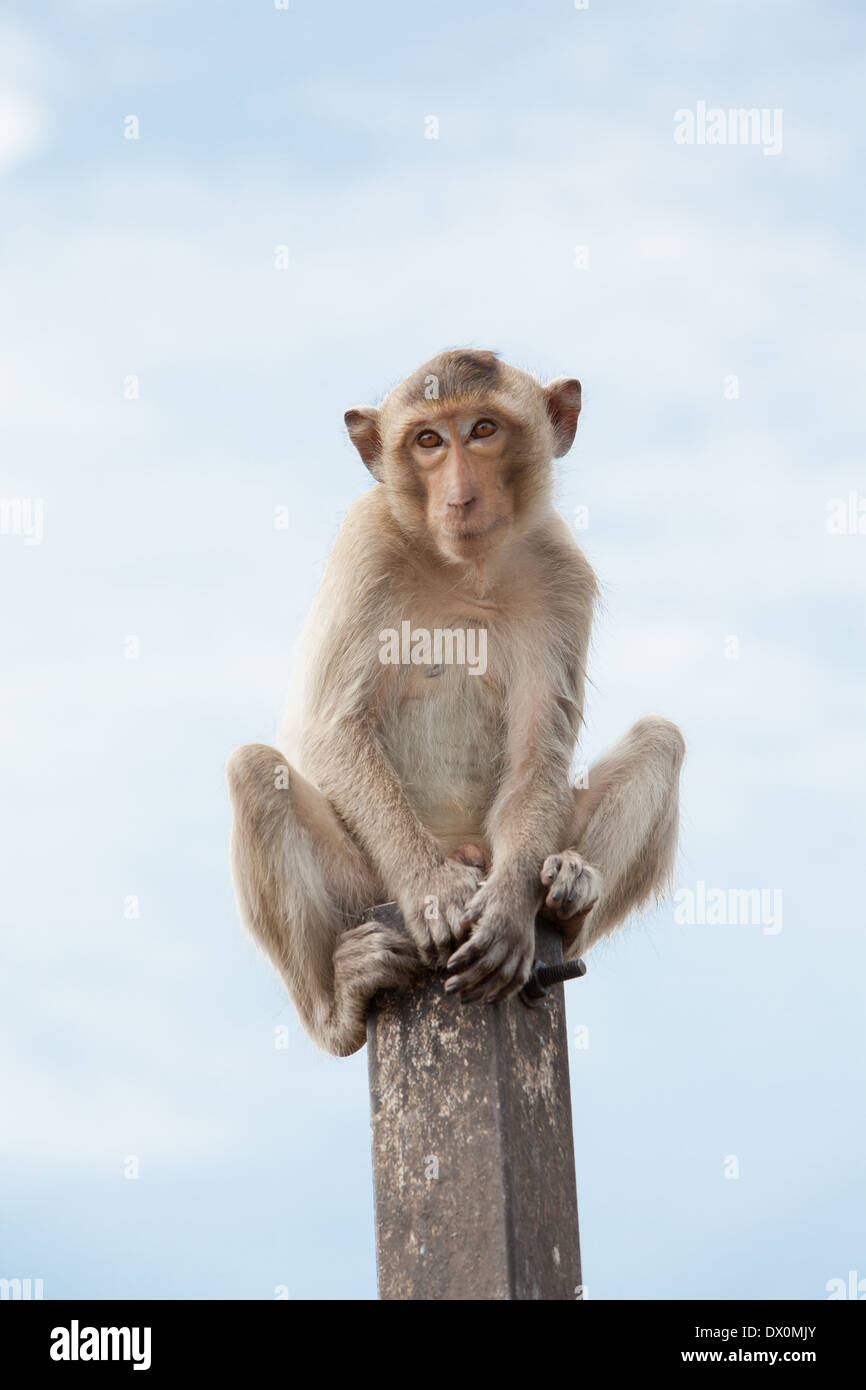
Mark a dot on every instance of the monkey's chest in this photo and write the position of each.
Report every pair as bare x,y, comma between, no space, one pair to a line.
443,736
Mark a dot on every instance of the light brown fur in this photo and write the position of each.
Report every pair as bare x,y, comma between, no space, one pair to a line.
395,783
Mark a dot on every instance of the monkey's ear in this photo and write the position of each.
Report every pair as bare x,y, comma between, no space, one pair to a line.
363,425
563,408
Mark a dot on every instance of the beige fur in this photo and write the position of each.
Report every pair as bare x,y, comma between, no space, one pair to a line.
391,769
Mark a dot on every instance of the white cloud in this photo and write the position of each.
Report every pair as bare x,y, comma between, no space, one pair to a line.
23,128
28,68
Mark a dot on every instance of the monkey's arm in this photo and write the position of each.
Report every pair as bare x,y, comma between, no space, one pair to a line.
432,890
357,778
534,800
528,819
544,711
525,824
346,761
344,682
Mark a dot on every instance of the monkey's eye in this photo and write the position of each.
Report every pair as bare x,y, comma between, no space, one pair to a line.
429,439
483,430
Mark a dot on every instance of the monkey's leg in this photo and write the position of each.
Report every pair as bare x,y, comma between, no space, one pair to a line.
301,884
623,836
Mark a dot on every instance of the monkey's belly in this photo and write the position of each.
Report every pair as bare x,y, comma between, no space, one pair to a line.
445,747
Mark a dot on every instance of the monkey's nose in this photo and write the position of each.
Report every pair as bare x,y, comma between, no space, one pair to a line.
462,504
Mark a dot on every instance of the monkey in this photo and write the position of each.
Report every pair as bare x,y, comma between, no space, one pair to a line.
443,786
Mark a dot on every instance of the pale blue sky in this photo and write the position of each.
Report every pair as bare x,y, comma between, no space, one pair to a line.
154,257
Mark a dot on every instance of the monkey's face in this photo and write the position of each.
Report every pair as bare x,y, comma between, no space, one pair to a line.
460,459
464,449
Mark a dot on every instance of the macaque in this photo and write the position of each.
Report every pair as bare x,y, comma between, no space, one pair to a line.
406,771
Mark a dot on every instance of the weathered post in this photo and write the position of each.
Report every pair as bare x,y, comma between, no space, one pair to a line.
473,1157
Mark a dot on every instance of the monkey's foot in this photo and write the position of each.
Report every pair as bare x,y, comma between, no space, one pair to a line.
367,959
574,886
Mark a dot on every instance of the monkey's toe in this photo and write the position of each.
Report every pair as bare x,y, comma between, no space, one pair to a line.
573,886
367,958
376,956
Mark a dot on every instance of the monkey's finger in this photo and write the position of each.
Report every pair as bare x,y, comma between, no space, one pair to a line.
551,868
564,889
465,955
444,946
460,931
491,989
497,984
514,974
440,925
455,916
473,981
568,908
439,935
470,914
421,933
426,950
474,907
514,986
558,892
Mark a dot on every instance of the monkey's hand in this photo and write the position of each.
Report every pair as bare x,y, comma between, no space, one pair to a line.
433,905
497,959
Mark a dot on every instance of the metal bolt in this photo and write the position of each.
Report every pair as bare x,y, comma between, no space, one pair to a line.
544,976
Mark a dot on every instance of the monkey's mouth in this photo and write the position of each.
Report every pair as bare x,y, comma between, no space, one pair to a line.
465,534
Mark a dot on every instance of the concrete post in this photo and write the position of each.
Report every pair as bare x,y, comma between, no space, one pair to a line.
473,1156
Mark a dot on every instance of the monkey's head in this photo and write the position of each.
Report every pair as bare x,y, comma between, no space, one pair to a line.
464,447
